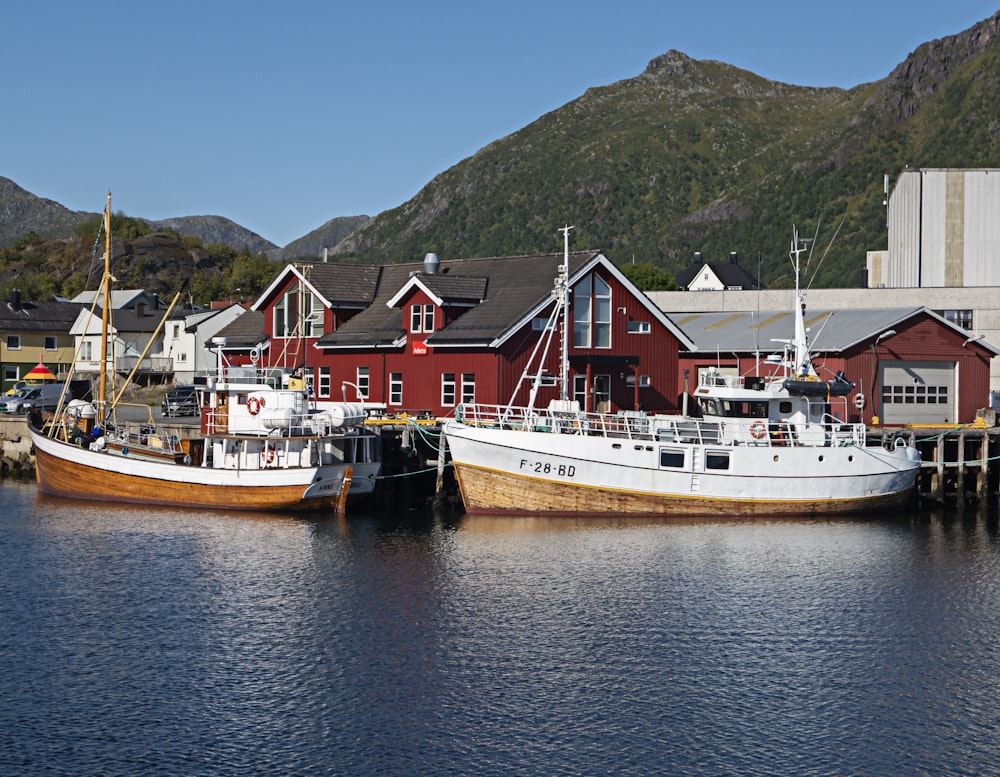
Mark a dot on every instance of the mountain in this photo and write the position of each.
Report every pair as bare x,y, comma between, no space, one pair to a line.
702,156
216,229
22,212
326,237
687,156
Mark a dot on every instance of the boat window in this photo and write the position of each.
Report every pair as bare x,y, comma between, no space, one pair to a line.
785,407
717,460
758,409
671,457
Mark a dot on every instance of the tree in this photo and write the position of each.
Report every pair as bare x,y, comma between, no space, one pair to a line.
648,277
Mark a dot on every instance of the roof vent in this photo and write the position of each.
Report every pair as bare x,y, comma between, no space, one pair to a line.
431,263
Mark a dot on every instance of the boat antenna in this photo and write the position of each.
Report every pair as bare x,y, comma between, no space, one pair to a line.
802,364
563,286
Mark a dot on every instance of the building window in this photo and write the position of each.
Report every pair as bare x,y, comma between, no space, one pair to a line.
592,313
324,382
312,314
182,357
177,331
580,389
910,394
395,388
362,382
542,324
281,314
13,342
421,318
86,349
468,387
447,389
962,318
644,381
638,327
50,342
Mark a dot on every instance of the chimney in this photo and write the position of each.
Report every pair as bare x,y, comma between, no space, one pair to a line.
15,300
431,263
734,257
697,257
140,309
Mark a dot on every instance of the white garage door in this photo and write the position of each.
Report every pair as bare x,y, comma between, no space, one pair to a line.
918,392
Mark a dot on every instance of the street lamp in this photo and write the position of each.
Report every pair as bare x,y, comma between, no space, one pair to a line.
875,402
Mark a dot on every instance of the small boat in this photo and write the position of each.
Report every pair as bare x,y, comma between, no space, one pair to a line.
763,445
262,444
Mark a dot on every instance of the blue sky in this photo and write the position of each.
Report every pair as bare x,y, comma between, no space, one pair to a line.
281,116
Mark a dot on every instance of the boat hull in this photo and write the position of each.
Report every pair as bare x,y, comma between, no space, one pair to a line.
506,471
70,471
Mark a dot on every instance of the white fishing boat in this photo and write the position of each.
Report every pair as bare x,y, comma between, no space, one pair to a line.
752,446
261,445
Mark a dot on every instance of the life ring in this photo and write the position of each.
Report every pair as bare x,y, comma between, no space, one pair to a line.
758,430
270,456
254,404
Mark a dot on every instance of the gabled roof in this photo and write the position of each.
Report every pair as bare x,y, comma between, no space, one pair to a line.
507,292
830,331
244,332
120,298
730,275
31,316
444,289
515,284
336,284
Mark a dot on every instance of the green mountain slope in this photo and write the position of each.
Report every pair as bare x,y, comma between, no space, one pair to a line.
701,156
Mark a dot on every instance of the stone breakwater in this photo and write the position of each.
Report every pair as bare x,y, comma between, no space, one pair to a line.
16,459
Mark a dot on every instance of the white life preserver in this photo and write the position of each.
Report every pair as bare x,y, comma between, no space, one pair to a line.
758,430
254,404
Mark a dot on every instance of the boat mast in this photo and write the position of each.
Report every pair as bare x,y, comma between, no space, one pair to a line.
105,281
563,286
803,365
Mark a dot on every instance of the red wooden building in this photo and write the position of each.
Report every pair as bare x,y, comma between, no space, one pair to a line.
423,337
909,365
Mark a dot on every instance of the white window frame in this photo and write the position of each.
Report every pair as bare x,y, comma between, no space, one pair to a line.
395,388
448,389
363,381
323,385
592,313
468,388
638,328
13,342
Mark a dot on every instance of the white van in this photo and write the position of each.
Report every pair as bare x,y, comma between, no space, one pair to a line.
44,397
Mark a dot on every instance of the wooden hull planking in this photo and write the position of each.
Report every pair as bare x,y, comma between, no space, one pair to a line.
60,476
488,491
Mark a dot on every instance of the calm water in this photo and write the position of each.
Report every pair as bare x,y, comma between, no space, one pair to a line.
158,642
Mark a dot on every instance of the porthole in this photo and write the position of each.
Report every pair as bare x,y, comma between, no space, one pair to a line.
821,458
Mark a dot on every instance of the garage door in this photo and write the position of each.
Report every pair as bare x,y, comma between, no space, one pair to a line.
918,392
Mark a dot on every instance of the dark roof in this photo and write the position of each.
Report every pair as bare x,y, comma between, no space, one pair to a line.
342,284
244,331
455,288
31,316
730,274
509,288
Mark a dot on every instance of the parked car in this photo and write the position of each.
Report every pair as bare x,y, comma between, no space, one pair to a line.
21,384
37,397
182,400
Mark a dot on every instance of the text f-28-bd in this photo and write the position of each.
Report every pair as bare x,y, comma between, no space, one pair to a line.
548,468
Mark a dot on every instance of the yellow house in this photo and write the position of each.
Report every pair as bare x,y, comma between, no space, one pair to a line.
31,332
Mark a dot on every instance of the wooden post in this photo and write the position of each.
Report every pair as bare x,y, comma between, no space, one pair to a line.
960,468
937,479
982,479
340,506
442,455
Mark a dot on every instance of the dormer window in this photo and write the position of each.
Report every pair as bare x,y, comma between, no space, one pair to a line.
421,318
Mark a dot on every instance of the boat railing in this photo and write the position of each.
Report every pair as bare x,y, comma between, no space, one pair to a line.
665,428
